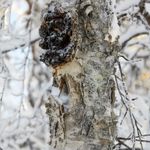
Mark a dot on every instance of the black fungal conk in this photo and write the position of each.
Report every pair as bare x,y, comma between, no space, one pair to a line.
55,32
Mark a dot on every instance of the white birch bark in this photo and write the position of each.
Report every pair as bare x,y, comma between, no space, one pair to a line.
88,121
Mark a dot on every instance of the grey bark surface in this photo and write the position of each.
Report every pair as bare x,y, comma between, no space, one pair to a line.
89,122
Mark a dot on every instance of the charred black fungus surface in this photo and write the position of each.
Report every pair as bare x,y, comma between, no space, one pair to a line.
55,32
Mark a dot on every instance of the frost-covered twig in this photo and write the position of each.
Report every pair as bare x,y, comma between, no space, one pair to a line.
19,46
126,101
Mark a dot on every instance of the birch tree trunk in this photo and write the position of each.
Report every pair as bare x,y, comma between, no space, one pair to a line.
86,120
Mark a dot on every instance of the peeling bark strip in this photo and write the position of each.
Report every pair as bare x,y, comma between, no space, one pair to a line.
84,119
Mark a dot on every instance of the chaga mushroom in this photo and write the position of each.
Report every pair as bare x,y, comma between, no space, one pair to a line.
56,31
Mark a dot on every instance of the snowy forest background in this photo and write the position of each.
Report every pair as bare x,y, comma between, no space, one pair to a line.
25,81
